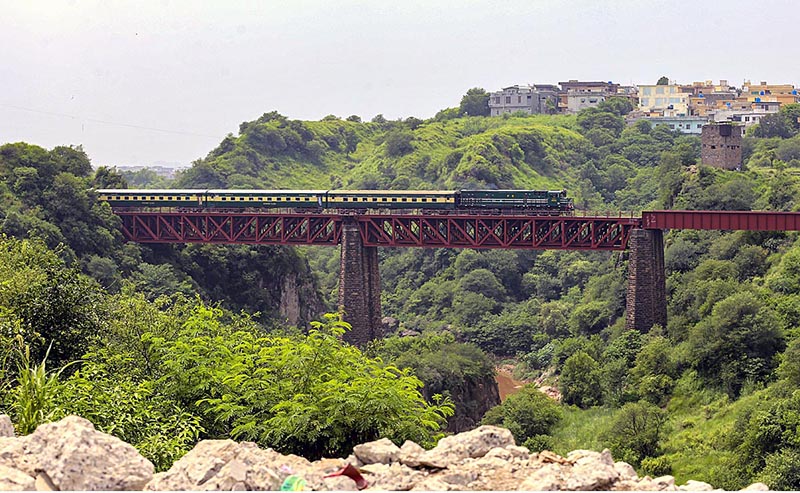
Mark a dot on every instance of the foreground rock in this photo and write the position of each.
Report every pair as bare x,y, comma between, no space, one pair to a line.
72,455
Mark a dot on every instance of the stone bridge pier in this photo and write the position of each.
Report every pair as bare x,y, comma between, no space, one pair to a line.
359,286
646,300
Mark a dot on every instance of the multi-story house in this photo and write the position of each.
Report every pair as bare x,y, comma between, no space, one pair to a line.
779,93
576,95
744,112
706,97
531,99
683,124
667,100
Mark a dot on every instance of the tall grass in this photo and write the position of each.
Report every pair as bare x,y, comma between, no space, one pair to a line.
33,397
581,429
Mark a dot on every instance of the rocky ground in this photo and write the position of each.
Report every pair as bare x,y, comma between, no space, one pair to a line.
71,455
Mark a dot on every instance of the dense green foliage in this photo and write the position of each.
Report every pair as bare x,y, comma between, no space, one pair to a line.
163,374
529,415
713,395
457,371
635,432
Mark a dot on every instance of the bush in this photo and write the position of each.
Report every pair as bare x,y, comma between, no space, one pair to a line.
537,443
580,381
635,432
782,470
527,414
398,143
656,466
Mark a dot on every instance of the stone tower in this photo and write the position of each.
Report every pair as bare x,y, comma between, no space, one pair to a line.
722,145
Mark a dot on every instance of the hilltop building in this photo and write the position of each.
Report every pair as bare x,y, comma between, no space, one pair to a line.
531,99
779,93
666,100
576,95
683,124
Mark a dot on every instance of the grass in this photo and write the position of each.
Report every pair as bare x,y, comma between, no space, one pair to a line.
695,441
581,429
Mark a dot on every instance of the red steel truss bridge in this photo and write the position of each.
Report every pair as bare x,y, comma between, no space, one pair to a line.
590,232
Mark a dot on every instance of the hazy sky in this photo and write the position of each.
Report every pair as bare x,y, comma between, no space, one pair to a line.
136,82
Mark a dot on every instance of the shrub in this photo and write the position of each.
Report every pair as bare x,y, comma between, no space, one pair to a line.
580,381
656,466
527,414
635,432
782,470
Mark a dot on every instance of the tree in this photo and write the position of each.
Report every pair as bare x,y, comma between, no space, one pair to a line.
620,106
72,160
788,149
773,125
526,414
635,432
662,81
106,177
580,381
791,113
56,305
591,118
785,278
475,103
654,371
737,342
782,470
398,142
482,281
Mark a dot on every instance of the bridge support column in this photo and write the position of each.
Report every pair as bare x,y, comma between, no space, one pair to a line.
359,286
646,301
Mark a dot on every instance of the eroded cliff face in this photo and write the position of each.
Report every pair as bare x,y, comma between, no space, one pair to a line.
299,301
472,398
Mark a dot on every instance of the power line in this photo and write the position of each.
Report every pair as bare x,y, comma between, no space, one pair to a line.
105,122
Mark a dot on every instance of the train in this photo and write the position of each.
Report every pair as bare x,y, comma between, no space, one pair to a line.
535,201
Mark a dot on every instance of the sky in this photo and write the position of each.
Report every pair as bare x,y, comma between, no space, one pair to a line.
152,81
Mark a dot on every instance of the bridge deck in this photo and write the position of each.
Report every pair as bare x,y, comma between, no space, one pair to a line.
434,231
722,220
387,230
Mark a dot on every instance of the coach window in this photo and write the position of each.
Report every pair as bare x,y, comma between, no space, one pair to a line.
394,199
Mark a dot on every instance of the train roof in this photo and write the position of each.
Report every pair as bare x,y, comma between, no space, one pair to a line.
507,190
147,191
393,192
177,191
259,191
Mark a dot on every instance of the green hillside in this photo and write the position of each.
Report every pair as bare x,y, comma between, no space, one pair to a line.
189,338
532,152
732,308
